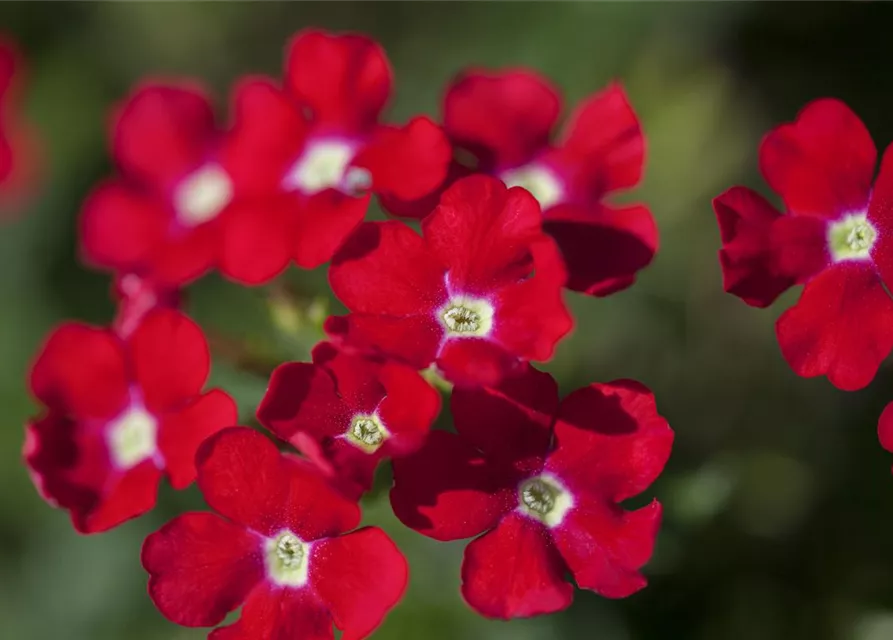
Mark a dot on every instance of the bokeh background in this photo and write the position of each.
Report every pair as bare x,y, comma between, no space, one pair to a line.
778,498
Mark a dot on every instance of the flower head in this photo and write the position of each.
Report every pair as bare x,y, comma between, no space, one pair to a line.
477,294
540,482
18,143
275,546
834,238
121,411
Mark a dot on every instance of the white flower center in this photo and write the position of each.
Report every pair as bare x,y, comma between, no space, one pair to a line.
544,498
132,437
541,182
202,195
287,559
851,237
367,433
326,165
466,317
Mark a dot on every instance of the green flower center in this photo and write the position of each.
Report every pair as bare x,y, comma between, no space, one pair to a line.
367,433
467,317
544,498
286,559
851,238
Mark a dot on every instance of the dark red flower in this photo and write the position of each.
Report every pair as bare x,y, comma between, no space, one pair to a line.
18,146
505,122
136,297
476,295
834,238
348,413
276,549
545,508
316,149
120,412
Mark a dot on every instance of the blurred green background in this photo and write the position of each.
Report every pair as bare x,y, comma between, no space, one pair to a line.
779,500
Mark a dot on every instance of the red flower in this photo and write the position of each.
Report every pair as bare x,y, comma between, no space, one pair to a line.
477,294
120,413
18,146
136,297
316,149
160,218
275,548
834,238
505,121
348,413
544,510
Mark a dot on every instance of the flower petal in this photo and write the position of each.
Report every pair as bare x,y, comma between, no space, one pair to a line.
323,222
447,490
880,214
476,362
256,239
279,614
514,571
201,567
344,79
360,576
840,327
885,428
413,340
822,164
170,359
408,409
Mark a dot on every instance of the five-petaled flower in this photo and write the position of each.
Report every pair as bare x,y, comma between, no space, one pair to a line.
835,238
120,412
277,548
348,413
315,150
545,508
477,294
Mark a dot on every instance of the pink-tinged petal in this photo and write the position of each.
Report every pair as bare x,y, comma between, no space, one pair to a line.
81,371
386,269
201,567
885,428
256,239
170,359
360,577
162,132
271,613
323,222
188,256
182,432
512,420
603,247
407,162
344,79
243,476
413,340
611,441
482,232
603,145
302,397
840,327
137,296
70,467
605,547
121,228
503,118
880,214
447,490
476,362
515,571
822,164
267,135
409,408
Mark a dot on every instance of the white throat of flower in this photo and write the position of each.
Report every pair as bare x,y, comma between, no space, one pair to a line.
132,437
367,432
202,195
326,165
851,237
544,498
466,317
287,559
540,181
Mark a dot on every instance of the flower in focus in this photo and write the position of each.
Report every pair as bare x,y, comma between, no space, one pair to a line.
477,294
544,509
18,146
277,548
834,238
120,413
348,413
315,150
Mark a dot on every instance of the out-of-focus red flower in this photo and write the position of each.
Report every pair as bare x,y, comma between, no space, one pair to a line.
315,148
136,297
277,548
477,294
348,413
542,481
120,413
504,122
835,237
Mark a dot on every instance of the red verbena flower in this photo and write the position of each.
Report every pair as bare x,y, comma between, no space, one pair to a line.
316,150
18,146
348,413
505,121
477,294
545,508
276,549
120,412
834,237
136,297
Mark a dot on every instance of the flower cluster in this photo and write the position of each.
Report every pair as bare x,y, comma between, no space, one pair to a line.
507,220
